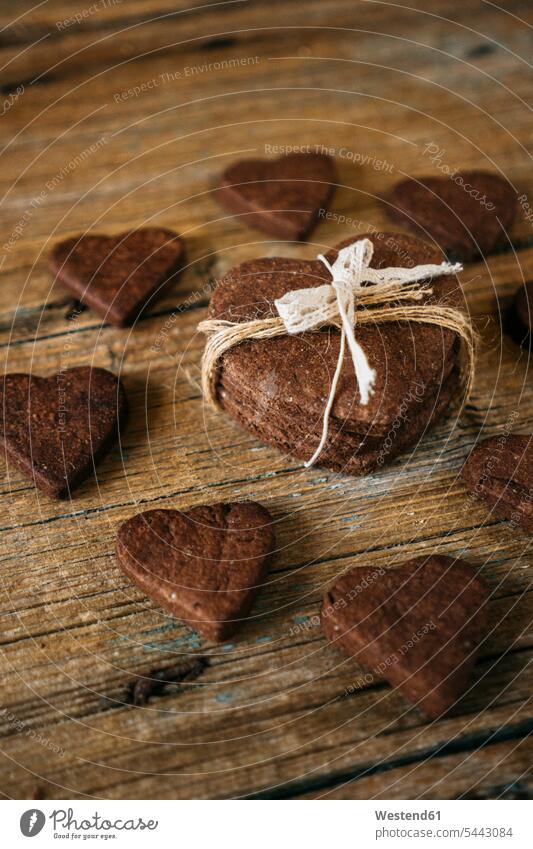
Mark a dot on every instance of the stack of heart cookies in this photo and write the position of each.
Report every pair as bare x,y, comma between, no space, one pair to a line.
277,388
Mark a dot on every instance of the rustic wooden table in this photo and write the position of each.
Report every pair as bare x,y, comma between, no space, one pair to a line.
122,118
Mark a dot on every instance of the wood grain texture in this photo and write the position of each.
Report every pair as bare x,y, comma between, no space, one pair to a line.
125,119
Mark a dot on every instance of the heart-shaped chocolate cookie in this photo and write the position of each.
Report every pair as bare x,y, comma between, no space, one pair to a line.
418,625
466,214
282,196
277,388
204,566
55,429
117,275
500,471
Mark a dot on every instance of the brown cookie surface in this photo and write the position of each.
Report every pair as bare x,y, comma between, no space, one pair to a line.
55,429
500,471
343,452
117,275
204,566
418,625
282,196
293,374
466,215
302,365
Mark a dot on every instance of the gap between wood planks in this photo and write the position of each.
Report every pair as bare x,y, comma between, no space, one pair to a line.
468,743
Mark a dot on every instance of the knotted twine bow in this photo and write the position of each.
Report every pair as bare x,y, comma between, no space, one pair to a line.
343,303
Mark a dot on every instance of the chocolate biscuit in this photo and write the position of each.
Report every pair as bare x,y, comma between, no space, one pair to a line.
292,374
55,429
418,625
466,214
205,566
281,197
344,452
500,471
117,275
